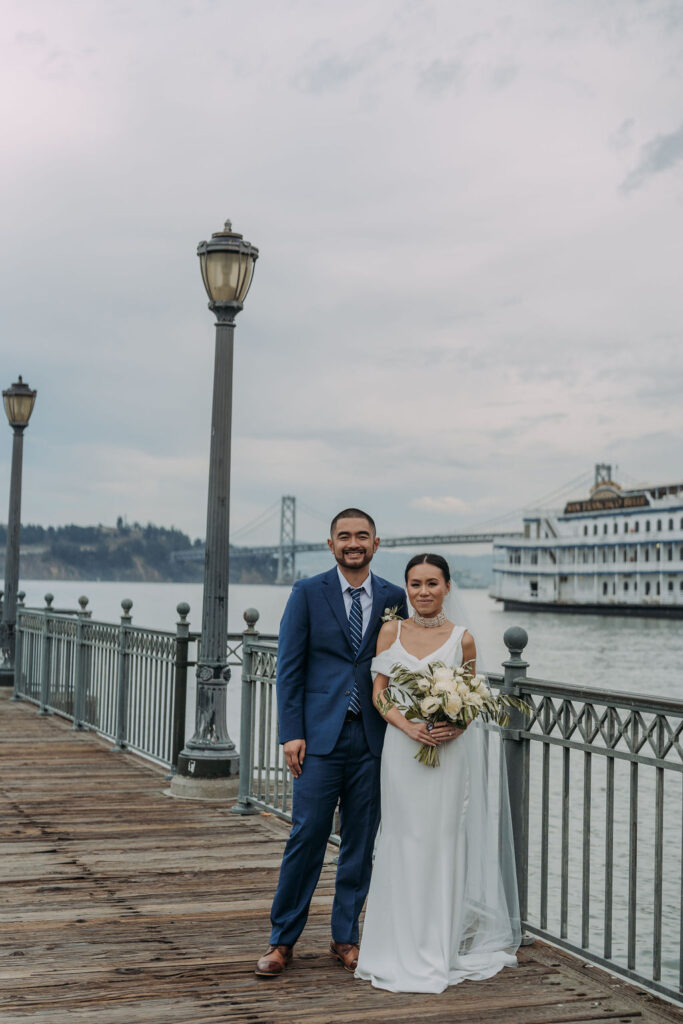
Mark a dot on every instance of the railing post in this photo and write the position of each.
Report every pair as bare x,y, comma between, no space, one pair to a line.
122,683
249,636
80,677
516,752
46,658
19,649
182,643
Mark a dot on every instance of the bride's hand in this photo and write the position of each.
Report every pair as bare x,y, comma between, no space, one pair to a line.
445,732
419,732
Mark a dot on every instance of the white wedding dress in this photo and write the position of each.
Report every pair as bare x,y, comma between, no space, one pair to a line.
442,906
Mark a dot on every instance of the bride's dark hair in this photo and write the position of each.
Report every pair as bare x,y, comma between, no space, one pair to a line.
438,561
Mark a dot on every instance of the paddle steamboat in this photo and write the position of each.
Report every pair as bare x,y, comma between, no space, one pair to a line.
617,552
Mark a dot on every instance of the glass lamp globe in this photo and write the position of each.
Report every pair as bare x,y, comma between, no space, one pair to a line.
19,401
227,266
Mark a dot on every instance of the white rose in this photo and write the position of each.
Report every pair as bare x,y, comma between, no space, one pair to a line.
479,684
423,684
429,705
443,680
453,706
475,700
462,689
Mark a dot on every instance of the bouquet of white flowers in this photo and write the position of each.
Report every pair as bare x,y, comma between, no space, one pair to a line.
438,694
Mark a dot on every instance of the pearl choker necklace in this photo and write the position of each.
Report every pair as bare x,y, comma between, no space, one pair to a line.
438,620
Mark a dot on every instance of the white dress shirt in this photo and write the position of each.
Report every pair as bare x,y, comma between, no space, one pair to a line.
365,597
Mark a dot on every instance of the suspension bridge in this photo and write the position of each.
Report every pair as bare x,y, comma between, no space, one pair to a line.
282,555
289,547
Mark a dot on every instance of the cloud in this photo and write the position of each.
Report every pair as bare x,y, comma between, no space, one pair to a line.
658,155
330,73
443,504
622,138
441,75
451,297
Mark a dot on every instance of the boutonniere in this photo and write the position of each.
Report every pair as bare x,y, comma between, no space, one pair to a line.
390,614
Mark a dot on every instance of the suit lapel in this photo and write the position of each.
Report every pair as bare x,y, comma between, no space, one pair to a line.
379,590
333,593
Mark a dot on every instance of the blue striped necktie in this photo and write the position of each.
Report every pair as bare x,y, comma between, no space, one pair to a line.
356,630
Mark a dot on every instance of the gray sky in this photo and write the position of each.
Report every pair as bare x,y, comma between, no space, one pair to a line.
469,218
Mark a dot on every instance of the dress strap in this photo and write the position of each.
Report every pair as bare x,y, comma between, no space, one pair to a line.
398,630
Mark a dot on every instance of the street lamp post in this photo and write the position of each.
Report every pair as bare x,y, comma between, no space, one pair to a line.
19,400
227,266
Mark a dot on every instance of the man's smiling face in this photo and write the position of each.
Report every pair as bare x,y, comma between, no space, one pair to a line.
353,543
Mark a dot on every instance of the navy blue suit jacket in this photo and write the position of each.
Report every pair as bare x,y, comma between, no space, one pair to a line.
316,663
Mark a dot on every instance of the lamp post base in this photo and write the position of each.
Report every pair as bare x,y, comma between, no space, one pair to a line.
184,787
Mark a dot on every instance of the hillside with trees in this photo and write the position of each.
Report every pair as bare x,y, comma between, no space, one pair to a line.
121,552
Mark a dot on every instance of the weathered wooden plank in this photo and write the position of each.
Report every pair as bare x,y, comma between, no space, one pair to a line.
120,906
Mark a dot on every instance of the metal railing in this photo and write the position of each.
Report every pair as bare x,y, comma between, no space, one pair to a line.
127,683
595,779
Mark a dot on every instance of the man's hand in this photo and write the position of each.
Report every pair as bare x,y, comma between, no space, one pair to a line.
295,752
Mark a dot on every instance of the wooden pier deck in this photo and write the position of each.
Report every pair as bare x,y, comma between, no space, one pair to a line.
120,905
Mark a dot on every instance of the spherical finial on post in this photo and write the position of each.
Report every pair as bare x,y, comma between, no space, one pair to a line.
183,610
126,604
20,597
83,602
515,639
49,598
251,617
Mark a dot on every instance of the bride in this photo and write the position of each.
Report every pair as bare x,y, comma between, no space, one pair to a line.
442,906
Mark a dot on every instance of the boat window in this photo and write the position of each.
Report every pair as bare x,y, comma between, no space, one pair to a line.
671,584
647,526
626,586
637,527
595,528
658,588
616,528
625,525
533,588
647,588
604,588
659,524
680,554
657,552
635,585
585,530
670,553
647,554
671,524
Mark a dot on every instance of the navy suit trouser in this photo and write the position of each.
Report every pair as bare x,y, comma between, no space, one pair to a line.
348,774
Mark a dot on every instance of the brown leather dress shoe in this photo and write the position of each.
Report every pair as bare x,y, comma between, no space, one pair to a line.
274,961
346,953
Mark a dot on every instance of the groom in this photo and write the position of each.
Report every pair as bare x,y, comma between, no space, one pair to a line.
332,736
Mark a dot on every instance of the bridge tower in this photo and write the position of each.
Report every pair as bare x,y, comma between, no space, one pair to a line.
286,562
